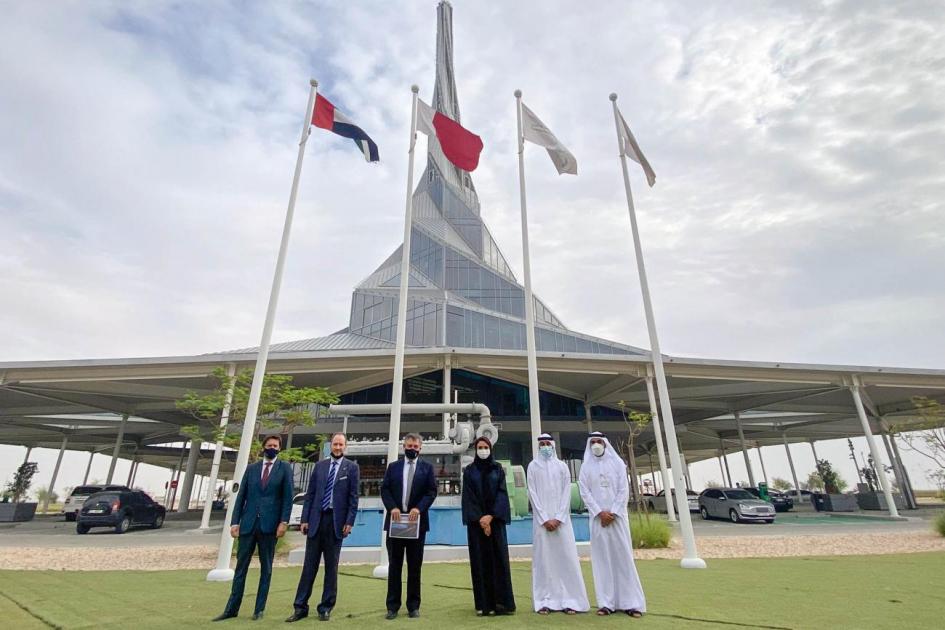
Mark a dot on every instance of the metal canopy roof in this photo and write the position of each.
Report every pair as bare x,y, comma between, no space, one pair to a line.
41,401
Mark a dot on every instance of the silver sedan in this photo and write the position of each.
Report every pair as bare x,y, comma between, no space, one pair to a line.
734,504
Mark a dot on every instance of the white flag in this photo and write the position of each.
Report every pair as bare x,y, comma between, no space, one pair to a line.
632,150
535,131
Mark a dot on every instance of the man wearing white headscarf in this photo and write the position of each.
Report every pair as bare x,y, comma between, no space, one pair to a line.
557,583
606,490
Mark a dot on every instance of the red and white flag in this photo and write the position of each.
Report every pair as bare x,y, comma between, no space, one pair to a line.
460,146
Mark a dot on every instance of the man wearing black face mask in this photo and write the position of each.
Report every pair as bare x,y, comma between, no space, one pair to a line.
260,516
408,491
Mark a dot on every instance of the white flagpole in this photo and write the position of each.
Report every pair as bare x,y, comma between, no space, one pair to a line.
222,572
533,395
691,559
393,438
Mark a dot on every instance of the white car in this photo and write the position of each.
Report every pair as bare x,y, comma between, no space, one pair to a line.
295,519
658,502
78,496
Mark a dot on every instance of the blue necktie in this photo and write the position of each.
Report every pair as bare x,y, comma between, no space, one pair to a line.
329,486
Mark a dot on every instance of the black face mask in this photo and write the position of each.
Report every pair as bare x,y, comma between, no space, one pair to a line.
271,453
411,453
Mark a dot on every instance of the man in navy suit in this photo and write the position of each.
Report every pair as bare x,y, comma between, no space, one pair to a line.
408,490
260,516
331,505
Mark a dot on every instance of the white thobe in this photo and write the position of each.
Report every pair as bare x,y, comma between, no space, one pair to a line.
616,582
557,582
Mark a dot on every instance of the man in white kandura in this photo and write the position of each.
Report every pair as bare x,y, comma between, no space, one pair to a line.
557,583
606,490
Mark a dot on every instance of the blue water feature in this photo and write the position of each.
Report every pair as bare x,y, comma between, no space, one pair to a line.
446,528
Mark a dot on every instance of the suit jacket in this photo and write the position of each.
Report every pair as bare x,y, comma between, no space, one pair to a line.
422,492
344,496
270,506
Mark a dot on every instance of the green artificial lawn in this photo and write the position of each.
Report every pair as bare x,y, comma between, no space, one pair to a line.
894,591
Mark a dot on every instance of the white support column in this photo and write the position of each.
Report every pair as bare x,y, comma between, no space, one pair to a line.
787,449
721,468
685,469
176,477
874,451
88,468
658,436
814,451
218,449
134,474
728,471
29,451
587,415
905,474
189,474
52,482
761,459
131,469
447,389
118,439
741,437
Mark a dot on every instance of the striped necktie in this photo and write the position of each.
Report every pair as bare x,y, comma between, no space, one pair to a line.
329,485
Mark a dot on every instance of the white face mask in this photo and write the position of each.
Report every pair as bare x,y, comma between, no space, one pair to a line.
546,451
483,453
597,449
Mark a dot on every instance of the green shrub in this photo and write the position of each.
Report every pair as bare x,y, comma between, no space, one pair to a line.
939,524
649,532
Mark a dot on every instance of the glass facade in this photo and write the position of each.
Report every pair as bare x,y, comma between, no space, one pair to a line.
504,399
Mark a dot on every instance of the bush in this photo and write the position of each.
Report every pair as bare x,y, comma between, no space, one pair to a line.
939,524
651,532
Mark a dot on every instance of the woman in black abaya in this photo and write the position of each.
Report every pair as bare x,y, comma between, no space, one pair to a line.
485,514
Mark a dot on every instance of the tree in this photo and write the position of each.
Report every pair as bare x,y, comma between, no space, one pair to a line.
282,408
814,483
636,422
832,483
22,479
927,438
712,483
781,484
44,495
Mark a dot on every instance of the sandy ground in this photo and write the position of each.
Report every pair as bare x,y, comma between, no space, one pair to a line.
204,556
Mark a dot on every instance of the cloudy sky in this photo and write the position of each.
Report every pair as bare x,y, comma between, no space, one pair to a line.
146,153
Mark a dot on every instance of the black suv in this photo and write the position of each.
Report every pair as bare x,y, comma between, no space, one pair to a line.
119,510
780,501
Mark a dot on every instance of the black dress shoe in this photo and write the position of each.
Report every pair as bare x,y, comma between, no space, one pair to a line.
224,616
413,614
391,614
258,616
324,616
296,616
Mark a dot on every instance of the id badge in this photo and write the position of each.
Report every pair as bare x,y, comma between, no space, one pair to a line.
604,483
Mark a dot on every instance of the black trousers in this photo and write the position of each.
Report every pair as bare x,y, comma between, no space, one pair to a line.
396,549
244,555
324,543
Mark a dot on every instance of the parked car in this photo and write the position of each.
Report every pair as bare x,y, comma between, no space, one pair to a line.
120,510
658,503
803,497
734,504
70,509
295,518
780,501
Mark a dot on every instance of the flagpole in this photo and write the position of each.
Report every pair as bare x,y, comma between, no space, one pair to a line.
222,572
691,559
393,438
533,395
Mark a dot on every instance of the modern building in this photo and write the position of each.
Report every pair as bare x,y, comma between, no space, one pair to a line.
466,341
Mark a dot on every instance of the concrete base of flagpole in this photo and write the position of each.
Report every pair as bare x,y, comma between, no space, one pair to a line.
381,571
220,575
692,563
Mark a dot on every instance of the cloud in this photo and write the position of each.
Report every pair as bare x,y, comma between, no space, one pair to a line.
146,154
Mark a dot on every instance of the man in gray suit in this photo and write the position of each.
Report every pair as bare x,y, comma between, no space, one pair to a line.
260,516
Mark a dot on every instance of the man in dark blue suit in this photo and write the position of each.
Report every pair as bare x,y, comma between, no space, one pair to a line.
260,516
331,505
408,490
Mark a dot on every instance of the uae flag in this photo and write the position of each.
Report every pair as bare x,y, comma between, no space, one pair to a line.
328,117
460,146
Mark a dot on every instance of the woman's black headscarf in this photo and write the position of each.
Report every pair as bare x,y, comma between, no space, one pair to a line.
487,463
